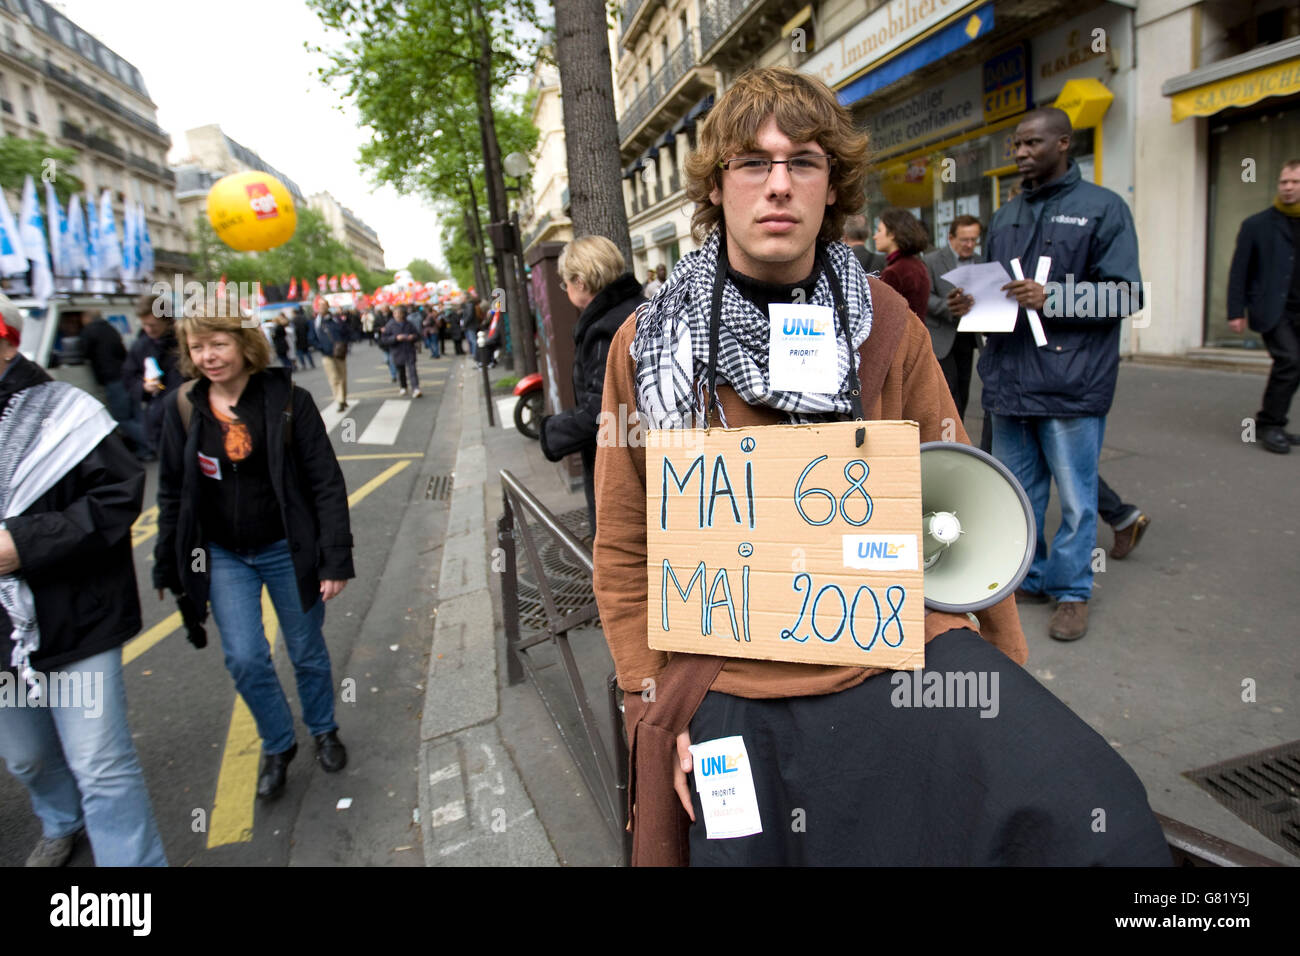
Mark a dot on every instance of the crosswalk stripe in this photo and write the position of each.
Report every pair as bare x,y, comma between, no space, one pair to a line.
383,428
232,808
331,415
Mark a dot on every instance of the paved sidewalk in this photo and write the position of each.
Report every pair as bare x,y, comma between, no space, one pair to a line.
1205,607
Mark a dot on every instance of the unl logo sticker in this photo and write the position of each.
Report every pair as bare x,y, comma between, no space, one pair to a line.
210,467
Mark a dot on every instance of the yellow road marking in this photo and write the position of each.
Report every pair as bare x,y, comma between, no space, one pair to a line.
232,809
137,646
356,496
145,527
404,454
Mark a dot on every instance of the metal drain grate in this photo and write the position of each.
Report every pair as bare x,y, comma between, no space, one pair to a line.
1262,788
570,582
439,487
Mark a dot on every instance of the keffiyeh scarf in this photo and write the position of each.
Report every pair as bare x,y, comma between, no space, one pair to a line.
671,347
45,431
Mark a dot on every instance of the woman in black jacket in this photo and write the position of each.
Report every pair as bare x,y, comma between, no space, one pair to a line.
594,276
251,494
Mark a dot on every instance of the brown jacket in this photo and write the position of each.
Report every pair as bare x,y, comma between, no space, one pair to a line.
913,389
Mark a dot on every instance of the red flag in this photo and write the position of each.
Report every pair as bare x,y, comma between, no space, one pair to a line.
261,299
334,283
221,286
293,288
320,281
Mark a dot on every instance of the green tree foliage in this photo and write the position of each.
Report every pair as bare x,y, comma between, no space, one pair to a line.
422,270
313,250
20,158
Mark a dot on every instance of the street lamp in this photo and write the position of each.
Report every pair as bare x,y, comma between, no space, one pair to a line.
517,166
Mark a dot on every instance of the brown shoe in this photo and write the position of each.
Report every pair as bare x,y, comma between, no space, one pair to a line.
1127,539
1069,621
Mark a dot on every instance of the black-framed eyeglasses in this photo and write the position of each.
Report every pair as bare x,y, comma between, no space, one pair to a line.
756,169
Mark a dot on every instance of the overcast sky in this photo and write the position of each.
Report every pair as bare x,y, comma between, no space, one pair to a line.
242,64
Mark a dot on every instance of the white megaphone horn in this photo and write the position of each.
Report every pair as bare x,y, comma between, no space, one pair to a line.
977,528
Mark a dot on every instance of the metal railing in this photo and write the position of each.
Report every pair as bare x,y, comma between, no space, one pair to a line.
606,775
607,785
717,17
62,76
630,7
676,65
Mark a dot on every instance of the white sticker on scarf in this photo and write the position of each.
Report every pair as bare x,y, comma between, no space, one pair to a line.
726,788
210,467
801,352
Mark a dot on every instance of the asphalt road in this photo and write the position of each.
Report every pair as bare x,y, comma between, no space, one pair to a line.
197,744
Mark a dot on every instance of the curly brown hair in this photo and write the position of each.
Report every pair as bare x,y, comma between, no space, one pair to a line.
805,110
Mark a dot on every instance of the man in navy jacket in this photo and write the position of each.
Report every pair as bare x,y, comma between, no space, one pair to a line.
1264,284
1049,403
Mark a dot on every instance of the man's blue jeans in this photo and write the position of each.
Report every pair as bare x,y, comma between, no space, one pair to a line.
236,598
79,765
1038,450
431,341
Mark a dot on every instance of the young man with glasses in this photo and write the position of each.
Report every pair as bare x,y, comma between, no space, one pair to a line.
778,168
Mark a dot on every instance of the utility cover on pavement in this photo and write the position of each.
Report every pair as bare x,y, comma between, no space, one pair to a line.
1262,788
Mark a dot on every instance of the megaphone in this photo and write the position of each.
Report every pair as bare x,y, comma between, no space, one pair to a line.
977,528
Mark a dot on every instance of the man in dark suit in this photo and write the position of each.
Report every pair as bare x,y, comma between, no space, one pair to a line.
1264,284
856,231
954,350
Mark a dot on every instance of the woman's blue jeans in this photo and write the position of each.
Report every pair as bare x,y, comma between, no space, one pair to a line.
235,594
79,765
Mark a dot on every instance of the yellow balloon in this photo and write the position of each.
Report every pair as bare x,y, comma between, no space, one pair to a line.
251,211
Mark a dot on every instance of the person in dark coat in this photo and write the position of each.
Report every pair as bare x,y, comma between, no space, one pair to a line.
403,341
249,494
1049,403
902,239
70,491
157,341
302,339
598,284
103,350
454,330
280,341
1264,286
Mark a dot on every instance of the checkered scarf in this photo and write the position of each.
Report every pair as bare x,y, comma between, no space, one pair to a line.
45,431
671,347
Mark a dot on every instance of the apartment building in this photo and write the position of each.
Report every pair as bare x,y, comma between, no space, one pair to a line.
58,81
544,210
360,239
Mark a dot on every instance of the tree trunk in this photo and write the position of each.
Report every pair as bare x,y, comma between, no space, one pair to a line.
476,243
590,127
516,301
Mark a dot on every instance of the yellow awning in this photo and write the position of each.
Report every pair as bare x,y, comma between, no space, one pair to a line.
1084,101
1279,79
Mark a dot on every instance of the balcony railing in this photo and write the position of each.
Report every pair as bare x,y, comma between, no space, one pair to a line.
72,131
717,17
106,146
678,63
62,76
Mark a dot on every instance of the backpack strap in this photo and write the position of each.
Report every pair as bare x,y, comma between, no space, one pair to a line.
183,403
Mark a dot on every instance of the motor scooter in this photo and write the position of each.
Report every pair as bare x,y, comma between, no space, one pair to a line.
528,410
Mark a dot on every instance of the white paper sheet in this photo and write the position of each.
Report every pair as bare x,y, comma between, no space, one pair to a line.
992,311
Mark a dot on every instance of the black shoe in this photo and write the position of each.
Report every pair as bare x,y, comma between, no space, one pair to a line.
331,753
270,781
1275,440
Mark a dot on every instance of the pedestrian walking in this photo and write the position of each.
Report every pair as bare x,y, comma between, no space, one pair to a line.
778,166
594,276
103,350
333,334
1264,289
250,494
403,341
954,350
1049,403
280,341
69,493
302,339
151,368
902,239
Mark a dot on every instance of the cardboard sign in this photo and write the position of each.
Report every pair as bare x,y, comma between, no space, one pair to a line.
787,543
